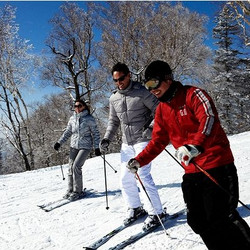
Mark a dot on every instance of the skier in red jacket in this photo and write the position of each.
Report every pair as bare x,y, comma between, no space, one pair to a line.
187,117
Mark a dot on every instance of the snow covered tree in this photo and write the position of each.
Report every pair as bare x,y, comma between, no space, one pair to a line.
52,115
1,154
241,12
137,33
231,86
15,70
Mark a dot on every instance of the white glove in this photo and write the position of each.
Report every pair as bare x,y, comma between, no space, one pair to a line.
133,165
186,153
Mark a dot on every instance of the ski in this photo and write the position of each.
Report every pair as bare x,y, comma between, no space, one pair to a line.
49,206
55,205
108,236
51,203
142,233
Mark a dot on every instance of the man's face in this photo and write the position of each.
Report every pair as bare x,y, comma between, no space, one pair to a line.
121,80
164,86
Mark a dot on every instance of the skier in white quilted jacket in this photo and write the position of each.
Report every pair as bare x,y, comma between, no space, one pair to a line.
84,135
132,107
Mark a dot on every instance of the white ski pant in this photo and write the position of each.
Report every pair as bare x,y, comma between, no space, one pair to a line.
128,183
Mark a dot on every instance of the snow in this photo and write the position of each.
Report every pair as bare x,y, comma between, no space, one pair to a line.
25,226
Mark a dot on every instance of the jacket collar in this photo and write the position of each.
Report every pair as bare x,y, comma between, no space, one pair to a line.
179,97
124,91
82,114
171,92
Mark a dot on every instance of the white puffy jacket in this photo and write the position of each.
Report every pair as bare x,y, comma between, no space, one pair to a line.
83,131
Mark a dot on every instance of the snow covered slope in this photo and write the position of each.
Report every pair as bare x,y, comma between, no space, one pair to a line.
25,226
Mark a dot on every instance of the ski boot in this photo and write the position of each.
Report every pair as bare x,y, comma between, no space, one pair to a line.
153,220
133,214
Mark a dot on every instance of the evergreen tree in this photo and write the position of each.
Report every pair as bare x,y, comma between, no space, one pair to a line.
230,86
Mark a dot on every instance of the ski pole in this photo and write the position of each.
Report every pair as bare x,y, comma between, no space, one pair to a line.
62,173
143,187
108,164
105,177
61,165
216,182
210,177
173,158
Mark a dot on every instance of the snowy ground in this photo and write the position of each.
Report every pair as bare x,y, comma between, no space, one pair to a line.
25,226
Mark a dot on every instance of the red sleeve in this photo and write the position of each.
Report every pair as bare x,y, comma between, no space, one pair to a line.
204,110
158,142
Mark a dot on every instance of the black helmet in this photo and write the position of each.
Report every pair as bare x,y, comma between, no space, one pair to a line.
158,69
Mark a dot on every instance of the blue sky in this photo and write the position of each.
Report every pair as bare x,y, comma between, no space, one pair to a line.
33,19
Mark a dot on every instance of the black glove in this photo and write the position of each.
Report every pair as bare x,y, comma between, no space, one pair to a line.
133,165
57,146
104,145
97,152
147,133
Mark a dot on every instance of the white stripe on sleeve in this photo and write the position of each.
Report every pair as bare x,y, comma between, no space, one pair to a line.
208,110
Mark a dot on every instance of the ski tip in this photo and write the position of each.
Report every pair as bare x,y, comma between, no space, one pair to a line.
88,248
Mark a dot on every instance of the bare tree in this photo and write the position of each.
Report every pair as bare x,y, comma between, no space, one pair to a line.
70,42
139,32
15,69
52,116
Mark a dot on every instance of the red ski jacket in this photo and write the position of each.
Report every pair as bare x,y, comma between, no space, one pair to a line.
189,118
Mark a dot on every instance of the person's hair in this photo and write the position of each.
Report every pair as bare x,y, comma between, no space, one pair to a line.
158,69
83,103
121,67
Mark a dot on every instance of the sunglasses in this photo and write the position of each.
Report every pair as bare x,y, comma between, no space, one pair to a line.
120,79
152,84
78,106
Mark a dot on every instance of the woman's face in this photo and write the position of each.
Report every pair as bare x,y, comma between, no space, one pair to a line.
79,107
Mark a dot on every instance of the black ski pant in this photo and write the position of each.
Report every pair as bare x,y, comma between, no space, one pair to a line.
212,213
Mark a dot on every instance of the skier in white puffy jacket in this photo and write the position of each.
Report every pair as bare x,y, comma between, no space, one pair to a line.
84,135
131,107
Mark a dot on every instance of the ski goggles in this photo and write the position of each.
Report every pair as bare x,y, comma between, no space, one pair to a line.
153,83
